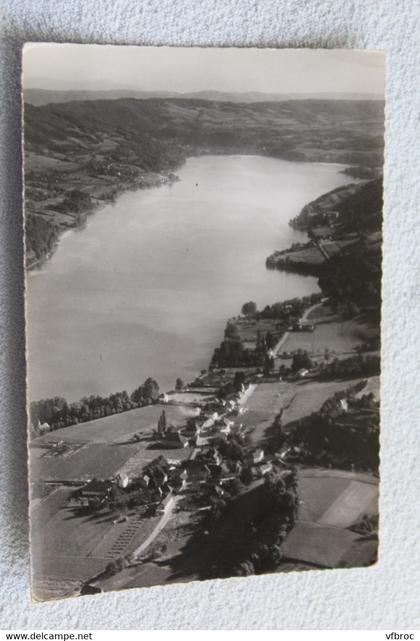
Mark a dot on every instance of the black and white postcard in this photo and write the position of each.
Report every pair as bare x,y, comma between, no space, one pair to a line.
203,234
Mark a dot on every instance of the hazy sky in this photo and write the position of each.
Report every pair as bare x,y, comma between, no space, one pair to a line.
103,67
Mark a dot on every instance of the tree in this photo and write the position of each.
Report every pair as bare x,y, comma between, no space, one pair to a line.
238,381
162,426
270,340
118,500
249,309
151,389
231,332
268,365
236,487
246,476
301,360
179,384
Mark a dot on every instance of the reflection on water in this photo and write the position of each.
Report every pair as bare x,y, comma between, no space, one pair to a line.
146,288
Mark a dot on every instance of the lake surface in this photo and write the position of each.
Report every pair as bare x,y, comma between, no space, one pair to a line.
146,288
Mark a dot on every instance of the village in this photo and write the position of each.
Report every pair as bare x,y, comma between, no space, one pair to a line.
151,493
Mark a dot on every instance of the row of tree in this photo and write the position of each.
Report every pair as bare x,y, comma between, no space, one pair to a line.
353,367
55,413
339,443
285,310
232,353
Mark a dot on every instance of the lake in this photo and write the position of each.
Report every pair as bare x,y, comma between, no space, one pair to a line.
146,288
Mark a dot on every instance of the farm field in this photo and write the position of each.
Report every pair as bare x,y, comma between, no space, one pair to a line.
321,547
308,397
248,329
339,337
172,540
335,497
143,455
263,405
94,460
116,427
331,501
84,543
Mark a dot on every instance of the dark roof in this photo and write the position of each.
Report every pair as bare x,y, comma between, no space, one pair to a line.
192,464
96,487
175,437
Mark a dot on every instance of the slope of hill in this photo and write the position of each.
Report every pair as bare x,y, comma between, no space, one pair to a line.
37,97
79,154
345,250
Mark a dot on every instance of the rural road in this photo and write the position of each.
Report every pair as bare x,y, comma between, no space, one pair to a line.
169,509
285,336
323,250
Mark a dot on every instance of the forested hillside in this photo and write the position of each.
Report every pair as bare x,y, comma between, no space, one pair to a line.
345,246
81,154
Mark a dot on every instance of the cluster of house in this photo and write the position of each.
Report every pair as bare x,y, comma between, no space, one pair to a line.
209,467
206,469
151,485
200,430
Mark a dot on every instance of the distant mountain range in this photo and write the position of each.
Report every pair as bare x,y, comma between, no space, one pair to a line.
39,97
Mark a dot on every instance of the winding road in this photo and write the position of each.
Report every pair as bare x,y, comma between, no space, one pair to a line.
168,512
276,348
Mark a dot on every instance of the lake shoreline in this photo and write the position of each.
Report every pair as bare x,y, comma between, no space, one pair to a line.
153,180
207,170
83,215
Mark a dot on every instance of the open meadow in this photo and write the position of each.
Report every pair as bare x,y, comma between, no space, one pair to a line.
117,427
308,396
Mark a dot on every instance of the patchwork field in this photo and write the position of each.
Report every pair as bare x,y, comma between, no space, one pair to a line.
321,547
331,501
83,543
308,396
335,497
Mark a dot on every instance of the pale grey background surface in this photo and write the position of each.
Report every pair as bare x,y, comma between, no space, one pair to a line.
386,596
